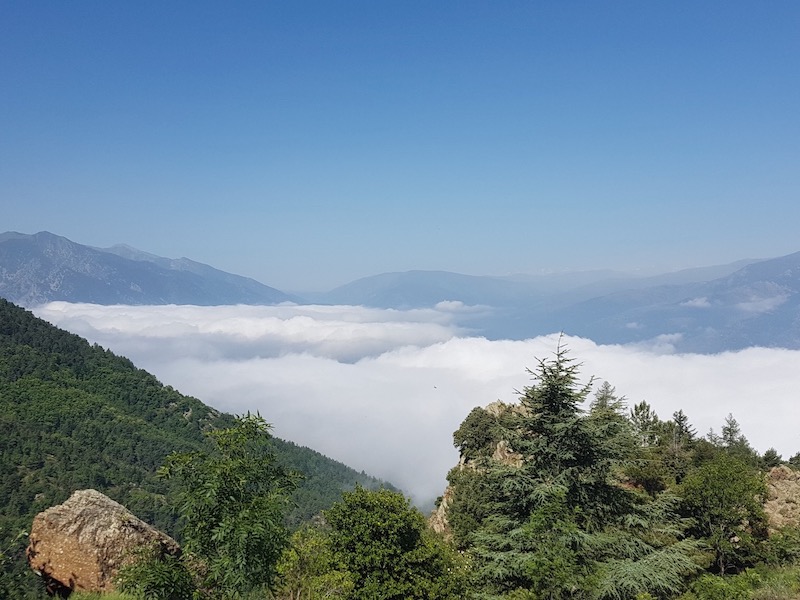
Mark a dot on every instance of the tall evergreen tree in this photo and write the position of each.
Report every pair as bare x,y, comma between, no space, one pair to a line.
734,442
561,525
645,423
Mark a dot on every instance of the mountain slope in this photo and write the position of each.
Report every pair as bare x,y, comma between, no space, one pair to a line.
74,416
43,267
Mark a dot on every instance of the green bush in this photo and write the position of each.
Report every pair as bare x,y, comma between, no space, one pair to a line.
782,547
154,575
232,503
781,583
714,587
100,596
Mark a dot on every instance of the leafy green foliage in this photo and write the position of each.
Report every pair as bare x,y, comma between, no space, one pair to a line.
726,497
157,576
324,481
665,453
101,596
231,503
771,459
782,547
559,524
708,587
794,461
387,547
645,424
76,416
545,555
477,435
735,443
10,578
759,583
308,568
611,428
472,503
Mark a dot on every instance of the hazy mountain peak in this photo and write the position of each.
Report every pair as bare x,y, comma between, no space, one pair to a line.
43,267
705,309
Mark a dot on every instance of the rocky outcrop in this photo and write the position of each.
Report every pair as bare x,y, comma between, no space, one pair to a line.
81,544
438,519
505,455
783,498
501,452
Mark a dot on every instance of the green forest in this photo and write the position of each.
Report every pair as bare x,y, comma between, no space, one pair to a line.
571,493
74,416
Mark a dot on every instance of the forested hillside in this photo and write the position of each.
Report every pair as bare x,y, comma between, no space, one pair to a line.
554,501
75,416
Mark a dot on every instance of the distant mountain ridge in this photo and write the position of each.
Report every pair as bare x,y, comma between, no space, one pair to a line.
419,289
756,305
706,309
44,267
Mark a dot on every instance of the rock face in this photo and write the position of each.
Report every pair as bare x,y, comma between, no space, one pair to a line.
501,452
438,519
783,498
81,544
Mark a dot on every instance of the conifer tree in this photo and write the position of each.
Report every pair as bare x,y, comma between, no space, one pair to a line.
561,526
645,423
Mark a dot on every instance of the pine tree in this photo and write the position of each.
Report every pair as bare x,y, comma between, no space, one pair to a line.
561,526
645,423
736,444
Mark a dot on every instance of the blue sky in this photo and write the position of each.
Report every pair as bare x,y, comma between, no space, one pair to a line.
310,143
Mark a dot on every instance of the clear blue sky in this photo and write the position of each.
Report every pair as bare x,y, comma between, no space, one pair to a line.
310,143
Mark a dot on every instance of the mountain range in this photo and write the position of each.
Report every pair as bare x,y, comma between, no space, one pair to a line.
709,309
44,267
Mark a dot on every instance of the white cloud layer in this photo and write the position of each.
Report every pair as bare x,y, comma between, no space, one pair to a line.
383,390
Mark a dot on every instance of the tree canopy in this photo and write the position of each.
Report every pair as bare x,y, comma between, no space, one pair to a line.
232,501
559,523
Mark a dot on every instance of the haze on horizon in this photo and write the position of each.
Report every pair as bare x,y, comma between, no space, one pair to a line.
308,144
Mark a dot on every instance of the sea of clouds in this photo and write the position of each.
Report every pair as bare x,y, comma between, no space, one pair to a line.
383,390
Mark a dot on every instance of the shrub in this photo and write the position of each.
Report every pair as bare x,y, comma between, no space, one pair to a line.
154,575
714,587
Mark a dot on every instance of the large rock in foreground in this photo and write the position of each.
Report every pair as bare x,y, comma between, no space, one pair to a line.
81,544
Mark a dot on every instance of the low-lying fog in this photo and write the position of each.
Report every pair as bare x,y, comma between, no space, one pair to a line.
383,390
